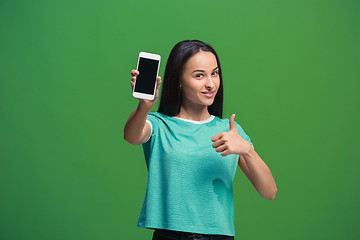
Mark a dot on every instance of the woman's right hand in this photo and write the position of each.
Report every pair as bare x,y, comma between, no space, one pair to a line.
148,103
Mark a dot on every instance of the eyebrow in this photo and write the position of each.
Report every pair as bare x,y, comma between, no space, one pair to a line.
203,70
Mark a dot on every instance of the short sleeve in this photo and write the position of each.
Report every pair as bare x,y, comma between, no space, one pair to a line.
243,134
151,129
152,120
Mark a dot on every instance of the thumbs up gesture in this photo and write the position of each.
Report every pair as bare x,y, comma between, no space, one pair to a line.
230,142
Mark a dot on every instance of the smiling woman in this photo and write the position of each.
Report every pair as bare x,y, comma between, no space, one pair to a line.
199,84
191,152
189,61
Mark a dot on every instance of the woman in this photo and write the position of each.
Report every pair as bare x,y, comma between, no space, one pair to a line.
191,152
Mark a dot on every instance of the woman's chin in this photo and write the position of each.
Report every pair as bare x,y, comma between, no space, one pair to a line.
209,102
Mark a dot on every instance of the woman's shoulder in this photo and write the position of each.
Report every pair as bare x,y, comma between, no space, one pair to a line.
226,122
157,117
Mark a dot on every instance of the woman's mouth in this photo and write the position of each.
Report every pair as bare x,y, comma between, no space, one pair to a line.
208,94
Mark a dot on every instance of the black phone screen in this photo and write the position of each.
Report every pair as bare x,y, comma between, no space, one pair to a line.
145,81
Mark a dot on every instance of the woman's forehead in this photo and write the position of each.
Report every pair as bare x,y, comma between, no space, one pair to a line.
202,60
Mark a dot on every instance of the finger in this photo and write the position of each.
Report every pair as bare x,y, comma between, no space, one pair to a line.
132,82
222,148
232,123
217,137
225,153
158,82
157,86
134,72
218,143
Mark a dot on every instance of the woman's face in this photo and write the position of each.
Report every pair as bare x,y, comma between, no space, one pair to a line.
200,80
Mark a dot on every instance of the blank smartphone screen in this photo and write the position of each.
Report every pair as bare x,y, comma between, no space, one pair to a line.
145,81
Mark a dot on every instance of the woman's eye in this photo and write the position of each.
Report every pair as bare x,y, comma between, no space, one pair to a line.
215,73
199,75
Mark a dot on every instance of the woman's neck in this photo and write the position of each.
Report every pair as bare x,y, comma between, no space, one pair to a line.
198,114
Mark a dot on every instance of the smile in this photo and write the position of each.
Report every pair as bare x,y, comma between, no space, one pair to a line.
208,94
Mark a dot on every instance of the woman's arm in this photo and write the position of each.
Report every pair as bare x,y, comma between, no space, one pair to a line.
259,174
136,130
249,161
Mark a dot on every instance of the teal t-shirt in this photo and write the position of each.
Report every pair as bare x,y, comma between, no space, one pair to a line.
189,184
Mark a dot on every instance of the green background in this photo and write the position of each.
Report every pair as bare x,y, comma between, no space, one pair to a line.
291,74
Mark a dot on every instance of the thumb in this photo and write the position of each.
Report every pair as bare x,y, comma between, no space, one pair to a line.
232,123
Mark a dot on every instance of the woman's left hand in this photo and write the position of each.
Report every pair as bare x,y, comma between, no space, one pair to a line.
231,142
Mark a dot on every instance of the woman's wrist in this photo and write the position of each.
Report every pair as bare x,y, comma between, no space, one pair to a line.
246,153
143,106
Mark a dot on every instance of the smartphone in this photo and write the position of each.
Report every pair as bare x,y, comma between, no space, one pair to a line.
145,85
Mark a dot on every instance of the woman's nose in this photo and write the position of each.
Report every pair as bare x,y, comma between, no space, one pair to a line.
209,82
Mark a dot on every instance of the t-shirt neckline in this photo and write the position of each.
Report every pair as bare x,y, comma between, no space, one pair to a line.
197,122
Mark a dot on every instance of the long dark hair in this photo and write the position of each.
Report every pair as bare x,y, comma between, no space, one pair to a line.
171,98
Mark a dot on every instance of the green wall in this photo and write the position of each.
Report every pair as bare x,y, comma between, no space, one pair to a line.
291,75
